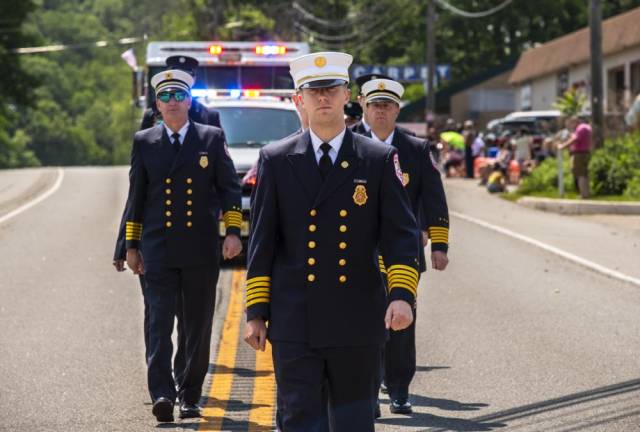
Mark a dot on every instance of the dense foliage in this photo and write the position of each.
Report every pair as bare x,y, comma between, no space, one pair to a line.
614,169
74,107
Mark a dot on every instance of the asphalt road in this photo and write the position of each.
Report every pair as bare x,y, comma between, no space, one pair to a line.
510,337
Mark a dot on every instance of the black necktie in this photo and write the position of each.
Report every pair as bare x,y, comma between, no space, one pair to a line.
176,142
325,161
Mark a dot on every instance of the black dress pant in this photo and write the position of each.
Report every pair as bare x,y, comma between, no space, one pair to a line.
400,360
350,375
195,287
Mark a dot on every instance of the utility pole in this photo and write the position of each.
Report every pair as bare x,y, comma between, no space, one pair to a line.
597,112
431,61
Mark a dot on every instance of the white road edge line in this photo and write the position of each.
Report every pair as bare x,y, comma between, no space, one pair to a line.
36,200
554,250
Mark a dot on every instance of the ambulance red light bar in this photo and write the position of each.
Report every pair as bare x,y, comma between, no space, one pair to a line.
215,49
271,50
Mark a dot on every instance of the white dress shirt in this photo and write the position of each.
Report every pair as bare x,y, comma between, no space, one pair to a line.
335,144
182,132
389,139
367,128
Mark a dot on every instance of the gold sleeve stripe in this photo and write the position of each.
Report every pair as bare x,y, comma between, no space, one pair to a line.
133,231
257,296
401,278
259,279
405,268
259,291
413,274
258,284
439,234
256,301
411,288
383,269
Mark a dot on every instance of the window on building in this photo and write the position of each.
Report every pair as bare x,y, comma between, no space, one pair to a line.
615,89
635,79
562,82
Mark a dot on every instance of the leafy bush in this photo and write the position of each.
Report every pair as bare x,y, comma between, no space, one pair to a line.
615,164
614,169
633,186
545,177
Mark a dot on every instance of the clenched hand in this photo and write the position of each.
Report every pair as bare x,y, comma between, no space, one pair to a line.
399,315
255,334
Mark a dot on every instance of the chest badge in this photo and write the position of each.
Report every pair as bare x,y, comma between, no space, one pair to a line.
204,161
360,195
405,179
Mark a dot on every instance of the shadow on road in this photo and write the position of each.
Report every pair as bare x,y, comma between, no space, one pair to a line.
238,371
446,404
430,368
441,423
574,400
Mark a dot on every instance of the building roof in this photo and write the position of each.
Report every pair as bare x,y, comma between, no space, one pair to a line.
416,108
618,33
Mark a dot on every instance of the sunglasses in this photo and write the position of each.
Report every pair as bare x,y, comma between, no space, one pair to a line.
165,97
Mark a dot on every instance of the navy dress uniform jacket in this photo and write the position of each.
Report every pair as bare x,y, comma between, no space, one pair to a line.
423,184
313,250
174,200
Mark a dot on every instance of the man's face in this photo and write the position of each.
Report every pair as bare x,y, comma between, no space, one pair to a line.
174,105
382,114
325,105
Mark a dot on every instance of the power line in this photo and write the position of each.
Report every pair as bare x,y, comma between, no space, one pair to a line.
335,24
359,33
467,14
98,44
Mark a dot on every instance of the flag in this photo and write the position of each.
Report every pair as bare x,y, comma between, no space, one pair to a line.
129,57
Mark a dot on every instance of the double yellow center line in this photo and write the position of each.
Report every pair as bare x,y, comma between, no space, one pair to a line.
263,399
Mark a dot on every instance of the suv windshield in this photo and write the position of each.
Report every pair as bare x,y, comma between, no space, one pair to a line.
247,126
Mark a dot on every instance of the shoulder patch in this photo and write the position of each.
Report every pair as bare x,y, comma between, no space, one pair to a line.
396,164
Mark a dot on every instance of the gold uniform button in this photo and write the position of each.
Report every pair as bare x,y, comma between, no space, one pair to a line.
343,228
189,202
168,202
313,212
311,261
168,224
189,181
342,262
311,277
189,224
168,213
342,279
312,228
312,244
189,213
167,181
189,191
167,191
343,213
342,245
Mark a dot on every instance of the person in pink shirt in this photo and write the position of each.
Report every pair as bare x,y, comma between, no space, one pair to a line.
580,149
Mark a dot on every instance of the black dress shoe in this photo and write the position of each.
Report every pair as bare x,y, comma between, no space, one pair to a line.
163,409
377,413
400,406
189,411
